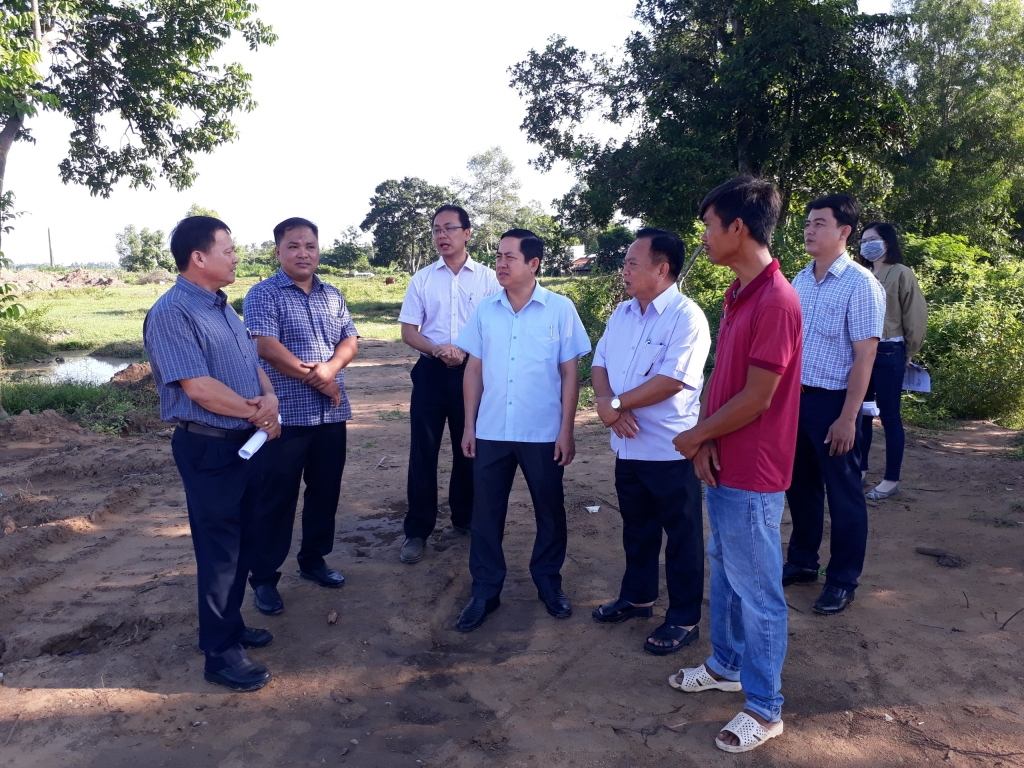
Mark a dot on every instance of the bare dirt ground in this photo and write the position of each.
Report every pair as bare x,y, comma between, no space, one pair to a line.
101,668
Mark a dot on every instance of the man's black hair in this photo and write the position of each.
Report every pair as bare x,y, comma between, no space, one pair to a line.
463,216
194,233
893,252
293,223
531,246
756,202
666,248
844,207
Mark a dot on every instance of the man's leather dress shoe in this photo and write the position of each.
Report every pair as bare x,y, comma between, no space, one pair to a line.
558,605
324,576
475,612
256,638
797,574
246,675
832,600
412,550
268,599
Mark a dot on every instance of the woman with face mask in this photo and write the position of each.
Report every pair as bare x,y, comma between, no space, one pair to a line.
906,320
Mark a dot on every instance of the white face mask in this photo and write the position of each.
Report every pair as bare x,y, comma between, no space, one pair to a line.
872,250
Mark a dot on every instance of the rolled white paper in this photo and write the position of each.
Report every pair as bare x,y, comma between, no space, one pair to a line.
253,444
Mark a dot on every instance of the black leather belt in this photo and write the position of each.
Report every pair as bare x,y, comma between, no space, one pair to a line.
805,389
223,434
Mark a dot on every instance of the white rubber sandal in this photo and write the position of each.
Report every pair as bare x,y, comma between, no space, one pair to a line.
750,733
699,679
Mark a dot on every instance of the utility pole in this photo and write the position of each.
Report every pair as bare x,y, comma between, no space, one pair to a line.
49,239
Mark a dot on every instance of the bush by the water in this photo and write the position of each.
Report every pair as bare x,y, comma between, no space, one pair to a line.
101,407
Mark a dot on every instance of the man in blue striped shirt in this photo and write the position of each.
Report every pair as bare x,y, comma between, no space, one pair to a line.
305,336
210,384
843,310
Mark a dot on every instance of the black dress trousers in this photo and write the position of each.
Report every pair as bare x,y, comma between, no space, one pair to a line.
437,398
317,455
494,470
222,491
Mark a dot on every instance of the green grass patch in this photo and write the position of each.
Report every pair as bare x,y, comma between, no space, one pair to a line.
100,407
586,398
123,350
393,415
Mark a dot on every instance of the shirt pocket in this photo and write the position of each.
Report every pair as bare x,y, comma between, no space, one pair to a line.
829,320
650,359
542,342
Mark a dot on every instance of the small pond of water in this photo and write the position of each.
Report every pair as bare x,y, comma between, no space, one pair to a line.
76,367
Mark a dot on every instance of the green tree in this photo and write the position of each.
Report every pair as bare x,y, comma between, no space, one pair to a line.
347,252
399,217
143,251
145,64
962,74
710,88
612,245
491,196
197,210
558,240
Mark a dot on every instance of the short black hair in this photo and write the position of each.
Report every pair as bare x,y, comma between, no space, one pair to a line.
293,223
194,233
893,252
463,216
531,246
757,202
844,207
666,248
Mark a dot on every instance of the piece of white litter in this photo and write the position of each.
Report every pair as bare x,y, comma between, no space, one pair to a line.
592,510
920,722
888,718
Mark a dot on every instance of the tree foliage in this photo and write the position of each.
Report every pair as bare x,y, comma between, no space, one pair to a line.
709,88
348,252
399,218
961,71
490,196
143,251
141,69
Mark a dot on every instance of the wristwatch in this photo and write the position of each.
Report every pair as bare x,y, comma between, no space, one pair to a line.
617,404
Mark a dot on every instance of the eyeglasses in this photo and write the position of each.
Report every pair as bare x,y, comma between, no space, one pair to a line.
438,231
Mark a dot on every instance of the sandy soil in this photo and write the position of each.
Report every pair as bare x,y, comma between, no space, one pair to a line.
101,668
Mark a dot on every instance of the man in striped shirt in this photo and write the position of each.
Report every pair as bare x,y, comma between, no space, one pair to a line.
843,310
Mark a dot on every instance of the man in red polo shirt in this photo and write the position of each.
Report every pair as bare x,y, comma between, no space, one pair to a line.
742,447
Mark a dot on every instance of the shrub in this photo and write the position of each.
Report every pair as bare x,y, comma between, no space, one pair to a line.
101,407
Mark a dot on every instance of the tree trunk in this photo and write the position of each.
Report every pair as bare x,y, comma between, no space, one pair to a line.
10,130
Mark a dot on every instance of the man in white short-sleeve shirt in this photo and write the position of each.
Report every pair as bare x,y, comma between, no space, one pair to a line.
438,302
648,373
521,390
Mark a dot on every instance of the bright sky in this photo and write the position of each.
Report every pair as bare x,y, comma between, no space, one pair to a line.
350,95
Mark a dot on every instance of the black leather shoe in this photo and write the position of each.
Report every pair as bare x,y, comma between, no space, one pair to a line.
832,600
797,574
475,612
256,638
558,605
324,576
268,599
246,675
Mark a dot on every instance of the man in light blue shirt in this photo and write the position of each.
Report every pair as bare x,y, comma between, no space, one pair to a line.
648,373
521,390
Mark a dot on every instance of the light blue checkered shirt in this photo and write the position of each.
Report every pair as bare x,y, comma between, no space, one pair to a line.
191,332
848,305
310,327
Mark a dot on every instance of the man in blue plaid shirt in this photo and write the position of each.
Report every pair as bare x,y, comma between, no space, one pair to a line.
305,337
843,310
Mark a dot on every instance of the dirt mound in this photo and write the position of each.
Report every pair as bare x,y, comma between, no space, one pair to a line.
44,428
137,377
36,280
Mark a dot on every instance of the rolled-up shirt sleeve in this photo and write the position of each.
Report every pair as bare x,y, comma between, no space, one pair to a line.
413,311
688,349
774,339
259,312
173,347
471,338
574,341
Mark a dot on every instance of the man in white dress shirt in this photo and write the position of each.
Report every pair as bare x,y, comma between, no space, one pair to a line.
648,373
438,302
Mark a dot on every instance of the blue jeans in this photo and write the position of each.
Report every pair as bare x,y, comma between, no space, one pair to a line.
886,389
749,619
